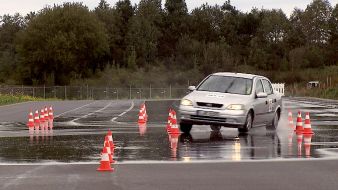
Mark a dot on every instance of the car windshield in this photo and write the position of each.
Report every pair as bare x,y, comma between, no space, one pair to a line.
227,84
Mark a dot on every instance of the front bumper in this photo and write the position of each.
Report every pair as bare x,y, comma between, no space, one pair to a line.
226,118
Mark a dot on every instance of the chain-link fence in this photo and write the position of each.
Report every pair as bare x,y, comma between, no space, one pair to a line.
95,93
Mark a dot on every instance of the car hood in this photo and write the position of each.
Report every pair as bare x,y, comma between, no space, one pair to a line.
217,98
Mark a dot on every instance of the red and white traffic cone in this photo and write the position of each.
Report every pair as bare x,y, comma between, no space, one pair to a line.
107,146
141,116
290,119
111,141
42,116
299,125
174,127
46,113
30,123
51,114
144,110
36,120
307,144
307,125
105,163
169,121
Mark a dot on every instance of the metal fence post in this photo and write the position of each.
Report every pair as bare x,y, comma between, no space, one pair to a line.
44,91
169,91
130,92
33,92
150,91
65,92
87,91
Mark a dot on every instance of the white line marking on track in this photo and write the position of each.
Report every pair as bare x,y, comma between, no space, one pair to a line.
73,109
126,111
91,113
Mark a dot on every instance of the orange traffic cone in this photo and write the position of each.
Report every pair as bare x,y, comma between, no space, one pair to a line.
307,125
46,114
36,117
290,120
111,141
174,127
169,121
42,116
144,110
105,163
307,144
30,123
141,117
299,125
107,146
299,143
51,114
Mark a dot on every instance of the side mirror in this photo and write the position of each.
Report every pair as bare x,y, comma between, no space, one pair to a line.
261,95
192,88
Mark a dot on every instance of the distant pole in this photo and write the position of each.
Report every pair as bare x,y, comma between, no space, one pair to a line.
150,91
65,92
170,91
44,91
130,92
87,92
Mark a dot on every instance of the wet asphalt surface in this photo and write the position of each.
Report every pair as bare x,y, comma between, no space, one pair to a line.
80,126
147,158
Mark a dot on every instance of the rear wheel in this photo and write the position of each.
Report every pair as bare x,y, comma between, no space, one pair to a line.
185,128
248,124
215,127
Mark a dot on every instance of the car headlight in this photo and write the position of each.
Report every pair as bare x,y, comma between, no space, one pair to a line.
235,107
186,102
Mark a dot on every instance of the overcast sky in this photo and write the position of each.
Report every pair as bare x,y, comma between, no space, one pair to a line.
26,6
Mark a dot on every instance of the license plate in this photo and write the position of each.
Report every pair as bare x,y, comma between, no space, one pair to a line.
207,113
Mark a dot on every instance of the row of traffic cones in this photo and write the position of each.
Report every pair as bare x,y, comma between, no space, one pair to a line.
303,133
307,129
172,127
107,154
42,121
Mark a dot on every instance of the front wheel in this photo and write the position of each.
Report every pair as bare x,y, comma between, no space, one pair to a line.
248,124
185,128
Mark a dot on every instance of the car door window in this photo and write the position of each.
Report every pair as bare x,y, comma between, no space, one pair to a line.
259,87
267,87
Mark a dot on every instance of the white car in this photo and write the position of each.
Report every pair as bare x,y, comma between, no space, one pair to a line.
234,100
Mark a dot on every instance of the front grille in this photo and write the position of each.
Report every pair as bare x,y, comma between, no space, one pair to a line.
207,118
212,105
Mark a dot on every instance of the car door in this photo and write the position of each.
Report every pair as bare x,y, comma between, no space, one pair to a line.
271,100
260,106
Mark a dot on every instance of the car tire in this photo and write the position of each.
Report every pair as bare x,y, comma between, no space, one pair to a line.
185,128
248,124
215,127
274,123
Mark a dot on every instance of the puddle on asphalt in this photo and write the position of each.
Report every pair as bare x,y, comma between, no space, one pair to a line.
83,140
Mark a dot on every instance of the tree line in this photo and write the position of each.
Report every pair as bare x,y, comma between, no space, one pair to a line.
64,42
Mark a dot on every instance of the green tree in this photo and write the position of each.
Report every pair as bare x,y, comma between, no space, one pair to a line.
9,27
175,26
62,42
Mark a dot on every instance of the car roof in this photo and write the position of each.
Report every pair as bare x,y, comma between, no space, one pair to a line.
242,75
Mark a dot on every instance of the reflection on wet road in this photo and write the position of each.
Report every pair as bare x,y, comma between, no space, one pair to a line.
77,137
